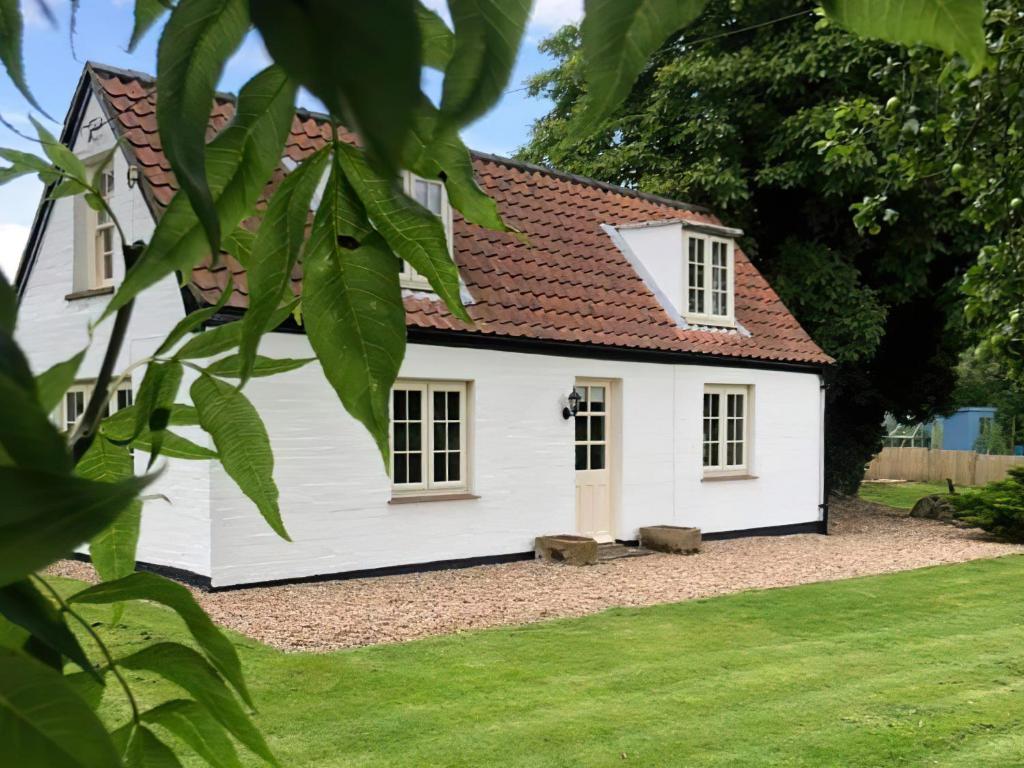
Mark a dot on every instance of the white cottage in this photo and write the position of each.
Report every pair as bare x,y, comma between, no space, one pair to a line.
698,396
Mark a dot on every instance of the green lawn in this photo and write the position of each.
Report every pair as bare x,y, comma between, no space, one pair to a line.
900,495
914,669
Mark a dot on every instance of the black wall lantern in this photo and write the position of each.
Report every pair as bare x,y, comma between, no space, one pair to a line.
574,405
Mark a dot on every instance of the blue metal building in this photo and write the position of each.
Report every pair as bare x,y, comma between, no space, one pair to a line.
961,430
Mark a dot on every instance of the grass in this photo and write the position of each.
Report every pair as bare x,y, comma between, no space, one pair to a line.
899,495
920,668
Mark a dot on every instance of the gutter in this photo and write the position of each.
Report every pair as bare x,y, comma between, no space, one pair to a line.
528,345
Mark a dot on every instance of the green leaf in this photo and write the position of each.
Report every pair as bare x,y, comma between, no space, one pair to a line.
230,367
12,173
952,26
113,549
194,725
44,516
354,316
149,586
412,232
438,40
328,46
27,607
187,669
618,38
198,39
152,408
52,383
239,162
142,749
26,433
20,640
119,427
184,415
194,320
242,442
62,157
44,722
86,686
24,162
487,38
147,13
275,251
174,446
10,49
8,307
213,341
436,152
239,244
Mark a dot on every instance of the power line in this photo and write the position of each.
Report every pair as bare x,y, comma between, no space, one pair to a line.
717,36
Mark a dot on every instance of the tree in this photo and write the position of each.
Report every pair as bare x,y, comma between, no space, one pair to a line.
838,158
981,381
60,490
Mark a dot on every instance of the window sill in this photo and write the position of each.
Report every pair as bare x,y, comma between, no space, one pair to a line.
427,497
89,293
720,478
725,323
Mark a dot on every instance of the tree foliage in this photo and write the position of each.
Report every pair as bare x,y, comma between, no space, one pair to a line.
364,60
997,507
981,381
839,159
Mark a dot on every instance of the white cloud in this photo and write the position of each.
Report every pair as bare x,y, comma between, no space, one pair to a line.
549,15
34,14
12,242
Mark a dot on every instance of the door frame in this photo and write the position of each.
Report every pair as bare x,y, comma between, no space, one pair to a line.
613,450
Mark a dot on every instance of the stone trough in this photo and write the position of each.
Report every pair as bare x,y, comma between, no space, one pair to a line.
671,538
566,548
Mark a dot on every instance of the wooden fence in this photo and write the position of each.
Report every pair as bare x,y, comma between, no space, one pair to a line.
932,465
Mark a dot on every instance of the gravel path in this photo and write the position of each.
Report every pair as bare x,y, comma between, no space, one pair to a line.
866,539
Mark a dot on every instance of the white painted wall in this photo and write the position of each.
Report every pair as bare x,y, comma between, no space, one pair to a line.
51,329
334,491
656,252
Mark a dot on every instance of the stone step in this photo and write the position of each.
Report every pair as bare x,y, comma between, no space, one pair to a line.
616,551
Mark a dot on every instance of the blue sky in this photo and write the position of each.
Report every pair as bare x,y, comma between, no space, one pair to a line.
104,27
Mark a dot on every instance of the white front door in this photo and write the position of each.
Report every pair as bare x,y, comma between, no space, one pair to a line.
593,477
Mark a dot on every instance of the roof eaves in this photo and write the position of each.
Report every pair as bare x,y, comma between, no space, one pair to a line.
696,226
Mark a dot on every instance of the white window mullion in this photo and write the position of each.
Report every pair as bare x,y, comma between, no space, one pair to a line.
727,408
436,457
709,280
449,420
408,436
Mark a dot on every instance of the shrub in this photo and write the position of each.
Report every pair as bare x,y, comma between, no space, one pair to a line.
998,507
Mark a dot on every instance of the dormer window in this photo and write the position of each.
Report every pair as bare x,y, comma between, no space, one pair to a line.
432,196
709,280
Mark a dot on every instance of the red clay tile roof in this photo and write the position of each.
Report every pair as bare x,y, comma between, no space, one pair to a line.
570,283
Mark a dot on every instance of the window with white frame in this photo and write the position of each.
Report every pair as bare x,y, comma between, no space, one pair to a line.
101,269
77,398
428,436
709,280
431,195
726,429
